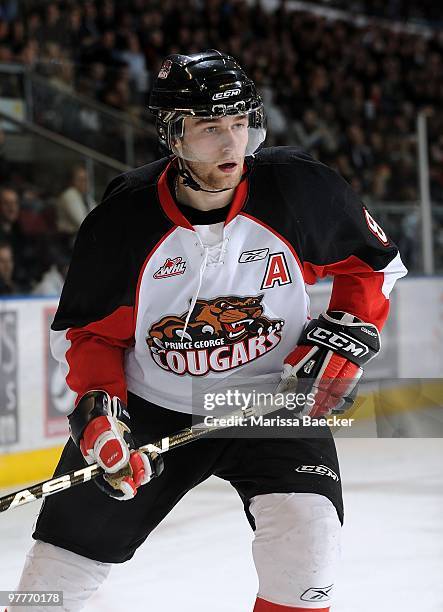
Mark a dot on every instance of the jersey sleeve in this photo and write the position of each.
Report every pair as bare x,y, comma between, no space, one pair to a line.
94,325
342,239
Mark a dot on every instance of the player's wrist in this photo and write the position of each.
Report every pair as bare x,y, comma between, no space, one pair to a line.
92,405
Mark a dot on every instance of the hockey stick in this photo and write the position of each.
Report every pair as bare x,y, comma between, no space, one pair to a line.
77,477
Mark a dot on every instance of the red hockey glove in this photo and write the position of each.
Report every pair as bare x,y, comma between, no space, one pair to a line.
327,363
100,428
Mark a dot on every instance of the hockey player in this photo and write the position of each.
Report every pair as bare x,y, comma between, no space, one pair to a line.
193,270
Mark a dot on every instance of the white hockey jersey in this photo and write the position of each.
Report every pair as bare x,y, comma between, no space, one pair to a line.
170,311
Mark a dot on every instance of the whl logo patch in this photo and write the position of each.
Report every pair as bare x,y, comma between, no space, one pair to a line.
317,594
171,267
222,334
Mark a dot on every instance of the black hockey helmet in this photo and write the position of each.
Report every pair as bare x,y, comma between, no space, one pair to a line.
204,85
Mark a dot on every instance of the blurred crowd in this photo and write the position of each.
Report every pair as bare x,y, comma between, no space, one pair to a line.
426,12
37,232
348,94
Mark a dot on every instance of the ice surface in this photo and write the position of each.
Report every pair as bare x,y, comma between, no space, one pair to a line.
199,558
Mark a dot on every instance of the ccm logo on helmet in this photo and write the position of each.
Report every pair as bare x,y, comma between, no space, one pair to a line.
337,341
221,95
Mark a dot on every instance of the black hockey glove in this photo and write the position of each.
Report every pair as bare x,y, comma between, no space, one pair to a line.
100,428
327,363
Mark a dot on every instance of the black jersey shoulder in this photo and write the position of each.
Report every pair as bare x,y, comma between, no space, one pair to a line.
284,182
313,207
135,181
290,179
130,204
283,155
111,246
283,163
145,176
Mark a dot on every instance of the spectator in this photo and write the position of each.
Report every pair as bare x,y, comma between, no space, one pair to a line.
9,213
308,132
23,248
36,217
4,164
357,149
135,59
103,51
52,281
63,76
276,119
51,29
74,203
118,95
7,285
90,26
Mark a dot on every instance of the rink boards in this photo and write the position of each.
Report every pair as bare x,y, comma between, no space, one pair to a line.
405,378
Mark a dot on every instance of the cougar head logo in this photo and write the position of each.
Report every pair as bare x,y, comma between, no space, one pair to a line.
232,318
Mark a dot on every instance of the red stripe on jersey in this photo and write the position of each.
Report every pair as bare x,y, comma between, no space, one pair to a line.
168,203
279,236
95,357
142,271
357,288
240,195
261,605
171,209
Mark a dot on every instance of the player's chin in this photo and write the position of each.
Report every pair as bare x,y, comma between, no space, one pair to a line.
228,175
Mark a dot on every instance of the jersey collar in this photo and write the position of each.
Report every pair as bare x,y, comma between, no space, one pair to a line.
172,211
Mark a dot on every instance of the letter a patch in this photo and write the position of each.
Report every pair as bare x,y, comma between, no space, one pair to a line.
277,271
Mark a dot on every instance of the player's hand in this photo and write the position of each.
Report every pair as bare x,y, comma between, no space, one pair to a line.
100,428
327,363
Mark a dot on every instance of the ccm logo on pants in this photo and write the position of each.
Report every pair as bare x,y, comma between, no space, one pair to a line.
321,470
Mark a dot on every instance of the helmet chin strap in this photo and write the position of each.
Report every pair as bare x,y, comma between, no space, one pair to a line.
189,181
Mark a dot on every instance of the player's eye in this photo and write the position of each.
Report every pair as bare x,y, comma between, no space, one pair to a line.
211,129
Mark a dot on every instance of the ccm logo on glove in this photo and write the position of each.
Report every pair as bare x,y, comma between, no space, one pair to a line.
319,335
327,363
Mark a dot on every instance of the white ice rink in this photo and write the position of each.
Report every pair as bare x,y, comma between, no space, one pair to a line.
199,559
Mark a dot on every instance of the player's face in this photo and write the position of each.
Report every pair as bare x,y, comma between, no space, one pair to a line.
214,149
